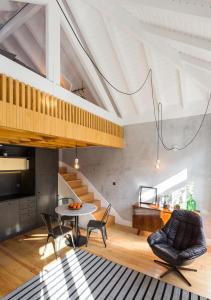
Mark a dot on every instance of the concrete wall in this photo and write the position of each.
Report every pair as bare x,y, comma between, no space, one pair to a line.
135,164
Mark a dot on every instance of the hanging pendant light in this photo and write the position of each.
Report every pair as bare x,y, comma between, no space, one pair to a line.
157,165
76,162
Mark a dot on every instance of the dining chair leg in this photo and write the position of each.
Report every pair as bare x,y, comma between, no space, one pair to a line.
58,244
103,236
46,245
54,247
90,230
87,235
106,233
72,239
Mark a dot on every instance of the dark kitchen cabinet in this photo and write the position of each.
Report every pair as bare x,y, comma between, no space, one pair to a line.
21,214
27,213
46,166
9,218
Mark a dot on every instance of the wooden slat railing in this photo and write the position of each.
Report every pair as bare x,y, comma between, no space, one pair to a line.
23,107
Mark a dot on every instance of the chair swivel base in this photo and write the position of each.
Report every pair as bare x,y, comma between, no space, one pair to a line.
176,269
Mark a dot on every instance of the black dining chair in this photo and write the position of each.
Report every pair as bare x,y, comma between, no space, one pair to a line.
99,225
56,232
67,220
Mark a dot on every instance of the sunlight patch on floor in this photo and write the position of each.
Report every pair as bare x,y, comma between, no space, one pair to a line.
80,281
49,287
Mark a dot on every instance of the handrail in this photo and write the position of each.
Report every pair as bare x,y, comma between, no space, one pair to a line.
30,99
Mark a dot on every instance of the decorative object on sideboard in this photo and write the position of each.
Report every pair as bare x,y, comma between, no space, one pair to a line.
191,203
148,196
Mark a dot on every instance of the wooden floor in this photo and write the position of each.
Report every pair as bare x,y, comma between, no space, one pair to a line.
22,257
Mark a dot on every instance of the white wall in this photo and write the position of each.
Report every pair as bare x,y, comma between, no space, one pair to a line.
134,165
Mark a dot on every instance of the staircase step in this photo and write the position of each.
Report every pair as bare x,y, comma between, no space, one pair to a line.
79,191
89,197
75,183
97,203
69,176
62,170
99,214
84,195
111,220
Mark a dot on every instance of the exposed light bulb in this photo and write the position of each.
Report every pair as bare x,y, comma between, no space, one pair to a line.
76,164
157,165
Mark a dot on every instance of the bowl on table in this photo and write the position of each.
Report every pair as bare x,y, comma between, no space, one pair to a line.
75,205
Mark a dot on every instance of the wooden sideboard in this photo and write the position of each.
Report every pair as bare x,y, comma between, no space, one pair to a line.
149,217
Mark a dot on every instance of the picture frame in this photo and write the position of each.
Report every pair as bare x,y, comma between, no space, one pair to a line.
141,200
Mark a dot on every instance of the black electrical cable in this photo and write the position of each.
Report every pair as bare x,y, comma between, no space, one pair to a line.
159,127
96,67
160,132
158,140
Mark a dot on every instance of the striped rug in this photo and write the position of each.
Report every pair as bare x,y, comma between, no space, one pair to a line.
82,275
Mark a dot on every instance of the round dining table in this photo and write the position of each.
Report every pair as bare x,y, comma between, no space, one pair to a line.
86,209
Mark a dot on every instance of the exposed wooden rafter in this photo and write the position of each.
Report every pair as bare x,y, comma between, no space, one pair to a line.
26,13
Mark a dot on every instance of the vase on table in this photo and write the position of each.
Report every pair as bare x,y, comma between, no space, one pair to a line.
191,203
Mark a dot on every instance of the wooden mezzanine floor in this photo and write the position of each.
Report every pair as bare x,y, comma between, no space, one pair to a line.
21,258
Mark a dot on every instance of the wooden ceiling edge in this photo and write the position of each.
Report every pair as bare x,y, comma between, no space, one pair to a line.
31,139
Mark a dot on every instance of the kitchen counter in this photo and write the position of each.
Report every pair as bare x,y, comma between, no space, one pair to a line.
15,196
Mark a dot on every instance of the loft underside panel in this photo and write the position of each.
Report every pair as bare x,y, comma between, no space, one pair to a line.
37,118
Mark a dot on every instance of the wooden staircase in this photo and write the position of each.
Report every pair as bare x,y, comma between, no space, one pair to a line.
82,191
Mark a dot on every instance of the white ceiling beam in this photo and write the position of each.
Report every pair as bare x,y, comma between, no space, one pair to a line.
37,29
172,112
121,16
15,70
128,104
196,8
180,38
36,56
25,14
199,70
12,45
151,64
76,73
88,66
53,68
5,5
38,2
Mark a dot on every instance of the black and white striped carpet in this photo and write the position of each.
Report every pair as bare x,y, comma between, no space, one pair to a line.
82,275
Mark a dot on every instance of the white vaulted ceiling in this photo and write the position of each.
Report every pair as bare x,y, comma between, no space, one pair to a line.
125,38
8,9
